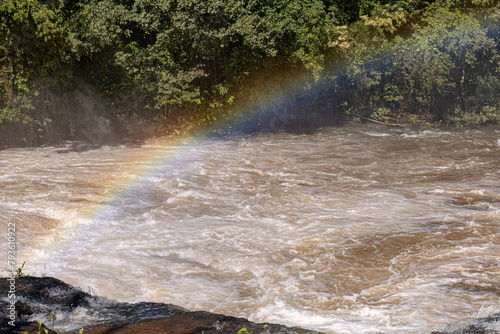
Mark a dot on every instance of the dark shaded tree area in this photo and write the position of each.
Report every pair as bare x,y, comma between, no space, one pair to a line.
445,71
88,69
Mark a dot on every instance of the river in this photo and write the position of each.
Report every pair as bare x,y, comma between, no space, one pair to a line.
360,229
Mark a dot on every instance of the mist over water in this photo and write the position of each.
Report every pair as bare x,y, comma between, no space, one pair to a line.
349,230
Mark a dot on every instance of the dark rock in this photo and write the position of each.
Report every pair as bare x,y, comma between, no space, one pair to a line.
29,327
472,326
194,323
49,296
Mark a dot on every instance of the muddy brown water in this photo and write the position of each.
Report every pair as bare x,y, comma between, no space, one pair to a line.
348,230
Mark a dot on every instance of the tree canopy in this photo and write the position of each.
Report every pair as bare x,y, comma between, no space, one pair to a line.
67,66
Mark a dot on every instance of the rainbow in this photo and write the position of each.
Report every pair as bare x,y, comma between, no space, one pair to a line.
275,108
174,152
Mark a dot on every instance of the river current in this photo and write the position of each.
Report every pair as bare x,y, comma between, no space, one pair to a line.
360,229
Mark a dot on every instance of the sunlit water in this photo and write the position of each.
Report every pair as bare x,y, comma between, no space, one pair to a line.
348,230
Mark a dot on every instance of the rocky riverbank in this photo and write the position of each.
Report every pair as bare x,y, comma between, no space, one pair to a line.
46,298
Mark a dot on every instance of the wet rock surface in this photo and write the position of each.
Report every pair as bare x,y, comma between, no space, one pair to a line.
46,297
485,325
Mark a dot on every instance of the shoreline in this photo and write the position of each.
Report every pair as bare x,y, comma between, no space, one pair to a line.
47,303
49,298
145,130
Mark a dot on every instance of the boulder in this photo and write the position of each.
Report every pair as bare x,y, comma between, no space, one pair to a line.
45,297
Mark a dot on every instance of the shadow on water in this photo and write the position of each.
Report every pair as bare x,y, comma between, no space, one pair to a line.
82,146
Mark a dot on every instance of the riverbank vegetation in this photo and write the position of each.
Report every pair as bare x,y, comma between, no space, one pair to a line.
93,69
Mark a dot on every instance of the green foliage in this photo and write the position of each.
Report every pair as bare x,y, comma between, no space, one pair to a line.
245,330
448,66
198,62
371,34
486,116
19,272
32,47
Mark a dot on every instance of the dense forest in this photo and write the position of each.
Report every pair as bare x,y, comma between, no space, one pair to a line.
93,69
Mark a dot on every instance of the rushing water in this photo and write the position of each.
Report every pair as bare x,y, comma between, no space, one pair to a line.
348,230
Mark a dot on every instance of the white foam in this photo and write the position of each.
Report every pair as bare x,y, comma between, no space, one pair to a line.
370,320
377,134
295,231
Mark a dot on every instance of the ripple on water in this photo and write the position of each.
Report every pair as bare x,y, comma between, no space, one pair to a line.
350,230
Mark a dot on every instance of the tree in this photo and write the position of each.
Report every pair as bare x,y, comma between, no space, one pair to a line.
33,53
